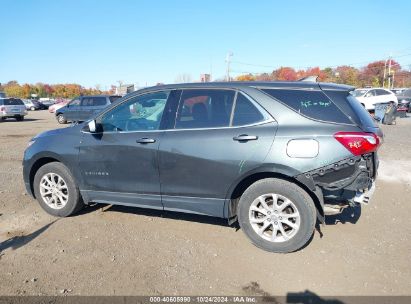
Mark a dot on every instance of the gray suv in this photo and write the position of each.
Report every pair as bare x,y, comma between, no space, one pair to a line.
12,108
276,157
83,107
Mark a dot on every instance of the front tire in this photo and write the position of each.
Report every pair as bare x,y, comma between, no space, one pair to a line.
277,215
20,118
56,190
61,119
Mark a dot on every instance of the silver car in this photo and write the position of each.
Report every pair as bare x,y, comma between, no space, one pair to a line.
12,108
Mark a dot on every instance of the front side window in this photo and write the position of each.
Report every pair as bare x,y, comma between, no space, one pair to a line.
75,102
205,108
370,93
139,113
382,92
358,93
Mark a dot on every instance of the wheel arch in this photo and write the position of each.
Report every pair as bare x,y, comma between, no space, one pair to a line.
286,173
40,162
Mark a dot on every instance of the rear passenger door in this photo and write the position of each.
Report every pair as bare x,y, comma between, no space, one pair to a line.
217,137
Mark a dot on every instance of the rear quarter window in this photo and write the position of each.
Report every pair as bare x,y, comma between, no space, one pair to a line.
114,98
312,104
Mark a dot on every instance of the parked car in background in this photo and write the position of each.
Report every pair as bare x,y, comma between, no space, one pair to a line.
368,97
12,108
404,99
58,104
398,91
47,102
2,95
276,157
82,108
33,105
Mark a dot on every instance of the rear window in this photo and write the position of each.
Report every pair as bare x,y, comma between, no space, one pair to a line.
312,104
12,102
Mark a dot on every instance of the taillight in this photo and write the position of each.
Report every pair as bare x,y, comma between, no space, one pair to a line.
2,109
358,142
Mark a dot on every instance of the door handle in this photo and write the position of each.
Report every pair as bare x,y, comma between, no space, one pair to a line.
245,137
145,140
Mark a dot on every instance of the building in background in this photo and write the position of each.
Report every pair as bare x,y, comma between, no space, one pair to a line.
205,78
124,89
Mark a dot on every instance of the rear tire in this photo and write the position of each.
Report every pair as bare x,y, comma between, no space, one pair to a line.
61,119
287,225
56,190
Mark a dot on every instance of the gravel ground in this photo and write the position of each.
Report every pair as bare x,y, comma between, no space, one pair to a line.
112,250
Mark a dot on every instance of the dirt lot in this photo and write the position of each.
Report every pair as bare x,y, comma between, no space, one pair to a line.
129,251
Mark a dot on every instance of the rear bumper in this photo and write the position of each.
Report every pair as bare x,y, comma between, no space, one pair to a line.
364,197
347,182
7,115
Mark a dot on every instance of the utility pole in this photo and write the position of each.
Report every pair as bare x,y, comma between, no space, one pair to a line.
227,60
389,73
385,73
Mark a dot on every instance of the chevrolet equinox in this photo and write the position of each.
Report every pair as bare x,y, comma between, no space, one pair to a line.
276,157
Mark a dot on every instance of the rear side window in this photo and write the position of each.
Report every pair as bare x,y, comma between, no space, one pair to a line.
204,109
312,104
93,101
245,113
99,101
13,102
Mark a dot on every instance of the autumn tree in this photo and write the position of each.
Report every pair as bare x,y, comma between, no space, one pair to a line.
246,77
285,73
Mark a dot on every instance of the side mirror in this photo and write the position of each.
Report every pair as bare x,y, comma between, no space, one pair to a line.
92,126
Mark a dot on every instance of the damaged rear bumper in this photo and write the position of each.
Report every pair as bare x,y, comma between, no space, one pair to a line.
348,182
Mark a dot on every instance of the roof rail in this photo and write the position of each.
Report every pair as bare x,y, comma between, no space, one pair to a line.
312,78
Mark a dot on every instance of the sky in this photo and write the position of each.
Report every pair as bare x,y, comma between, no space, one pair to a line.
101,42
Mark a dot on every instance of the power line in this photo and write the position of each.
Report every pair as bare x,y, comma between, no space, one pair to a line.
304,68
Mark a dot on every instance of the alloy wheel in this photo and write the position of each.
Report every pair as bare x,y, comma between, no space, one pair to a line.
54,190
274,217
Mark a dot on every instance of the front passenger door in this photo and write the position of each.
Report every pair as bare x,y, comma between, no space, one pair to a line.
120,164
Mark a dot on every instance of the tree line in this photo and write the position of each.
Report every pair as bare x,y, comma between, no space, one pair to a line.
369,75
70,90
375,74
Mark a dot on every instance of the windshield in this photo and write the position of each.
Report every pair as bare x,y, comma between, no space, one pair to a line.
358,93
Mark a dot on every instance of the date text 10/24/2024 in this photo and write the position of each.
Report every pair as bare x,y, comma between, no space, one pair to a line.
204,299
